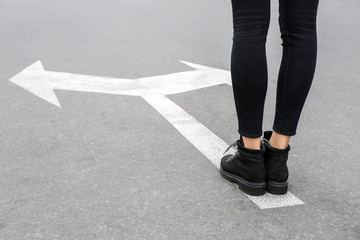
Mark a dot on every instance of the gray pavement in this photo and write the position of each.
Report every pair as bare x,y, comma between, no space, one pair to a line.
111,167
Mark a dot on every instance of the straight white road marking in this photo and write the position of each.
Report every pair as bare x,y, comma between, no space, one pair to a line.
275,201
207,142
153,89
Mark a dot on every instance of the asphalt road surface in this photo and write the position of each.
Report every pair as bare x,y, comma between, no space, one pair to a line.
111,166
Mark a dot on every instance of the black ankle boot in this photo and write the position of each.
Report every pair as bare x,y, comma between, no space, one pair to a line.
246,168
276,169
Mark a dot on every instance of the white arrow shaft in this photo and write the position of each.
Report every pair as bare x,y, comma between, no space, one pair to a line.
161,85
88,83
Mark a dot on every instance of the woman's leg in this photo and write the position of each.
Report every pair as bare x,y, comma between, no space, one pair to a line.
279,141
297,20
251,19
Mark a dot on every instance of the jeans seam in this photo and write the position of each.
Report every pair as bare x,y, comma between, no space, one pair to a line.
287,65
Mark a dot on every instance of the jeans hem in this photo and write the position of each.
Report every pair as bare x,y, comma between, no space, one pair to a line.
284,132
250,135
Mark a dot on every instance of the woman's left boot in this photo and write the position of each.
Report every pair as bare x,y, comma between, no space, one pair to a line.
276,168
246,168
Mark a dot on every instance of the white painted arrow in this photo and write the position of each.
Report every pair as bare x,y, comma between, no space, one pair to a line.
153,89
42,83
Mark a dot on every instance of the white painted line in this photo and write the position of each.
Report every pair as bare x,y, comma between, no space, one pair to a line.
210,145
153,89
200,136
275,201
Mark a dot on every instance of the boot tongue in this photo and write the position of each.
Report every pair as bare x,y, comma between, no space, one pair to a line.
267,135
241,145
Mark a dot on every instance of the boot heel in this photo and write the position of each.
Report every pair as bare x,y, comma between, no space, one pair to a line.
251,188
276,169
277,188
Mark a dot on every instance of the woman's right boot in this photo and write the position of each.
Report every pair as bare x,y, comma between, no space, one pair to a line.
276,169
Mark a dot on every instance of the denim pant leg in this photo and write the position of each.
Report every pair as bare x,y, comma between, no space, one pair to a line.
251,19
297,20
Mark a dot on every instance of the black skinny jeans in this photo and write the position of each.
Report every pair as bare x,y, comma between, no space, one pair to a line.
251,19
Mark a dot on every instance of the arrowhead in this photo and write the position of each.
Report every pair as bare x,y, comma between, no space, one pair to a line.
212,76
196,66
35,80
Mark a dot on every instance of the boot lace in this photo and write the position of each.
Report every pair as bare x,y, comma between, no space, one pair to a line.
235,144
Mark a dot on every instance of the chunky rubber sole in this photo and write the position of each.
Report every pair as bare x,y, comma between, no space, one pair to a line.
251,188
278,188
